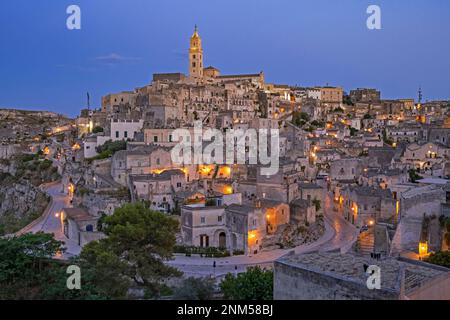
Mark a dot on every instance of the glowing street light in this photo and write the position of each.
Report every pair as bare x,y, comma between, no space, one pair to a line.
423,249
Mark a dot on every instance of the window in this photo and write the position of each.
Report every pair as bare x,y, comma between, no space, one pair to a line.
219,218
203,220
125,134
155,138
178,184
117,134
193,64
170,138
158,161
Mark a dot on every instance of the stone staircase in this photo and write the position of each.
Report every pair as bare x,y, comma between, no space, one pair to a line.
365,243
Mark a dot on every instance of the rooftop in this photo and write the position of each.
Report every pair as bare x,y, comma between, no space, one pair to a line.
351,268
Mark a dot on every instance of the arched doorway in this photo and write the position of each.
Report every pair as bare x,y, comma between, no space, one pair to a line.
222,240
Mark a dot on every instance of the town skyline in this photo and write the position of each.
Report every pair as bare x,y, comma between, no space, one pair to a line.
81,63
212,178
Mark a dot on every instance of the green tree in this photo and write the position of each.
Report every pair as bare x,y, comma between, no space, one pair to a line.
347,100
27,270
195,289
97,129
300,118
138,242
353,131
255,284
317,204
441,258
109,148
414,176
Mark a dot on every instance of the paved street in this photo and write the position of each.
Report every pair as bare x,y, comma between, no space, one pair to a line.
52,224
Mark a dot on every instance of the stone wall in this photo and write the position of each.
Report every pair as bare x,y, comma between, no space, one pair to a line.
292,283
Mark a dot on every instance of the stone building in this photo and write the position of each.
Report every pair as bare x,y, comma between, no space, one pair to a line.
303,212
416,204
204,226
247,226
367,205
140,160
80,226
335,276
158,189
346,169
276,212
365,95
312,192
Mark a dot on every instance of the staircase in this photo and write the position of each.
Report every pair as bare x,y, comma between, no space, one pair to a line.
365,243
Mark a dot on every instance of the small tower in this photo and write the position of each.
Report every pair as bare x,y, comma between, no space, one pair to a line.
420,95
196,57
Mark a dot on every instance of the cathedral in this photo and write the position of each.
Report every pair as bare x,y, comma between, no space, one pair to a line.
198,73
196,57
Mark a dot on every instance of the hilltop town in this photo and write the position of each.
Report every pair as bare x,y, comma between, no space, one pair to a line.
361,179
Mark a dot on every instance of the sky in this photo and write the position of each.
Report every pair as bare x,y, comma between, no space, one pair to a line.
45,66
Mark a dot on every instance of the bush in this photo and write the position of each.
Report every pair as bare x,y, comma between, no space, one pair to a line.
255,284
195,289
97,129
440,258
210,252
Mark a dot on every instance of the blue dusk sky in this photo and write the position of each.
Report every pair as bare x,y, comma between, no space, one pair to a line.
122,43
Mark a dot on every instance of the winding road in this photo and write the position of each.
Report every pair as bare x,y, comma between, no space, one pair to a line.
51,223
339,235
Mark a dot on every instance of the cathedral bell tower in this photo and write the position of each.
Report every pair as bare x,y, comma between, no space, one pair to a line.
196,57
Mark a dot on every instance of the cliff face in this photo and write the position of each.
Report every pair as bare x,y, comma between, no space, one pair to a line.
20,203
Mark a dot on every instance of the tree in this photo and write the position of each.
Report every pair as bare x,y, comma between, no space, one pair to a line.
414,176
441,258
109,148
27,270
353,131
195,289
97,129
300,118
347,100
255,284
138,241
317,204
